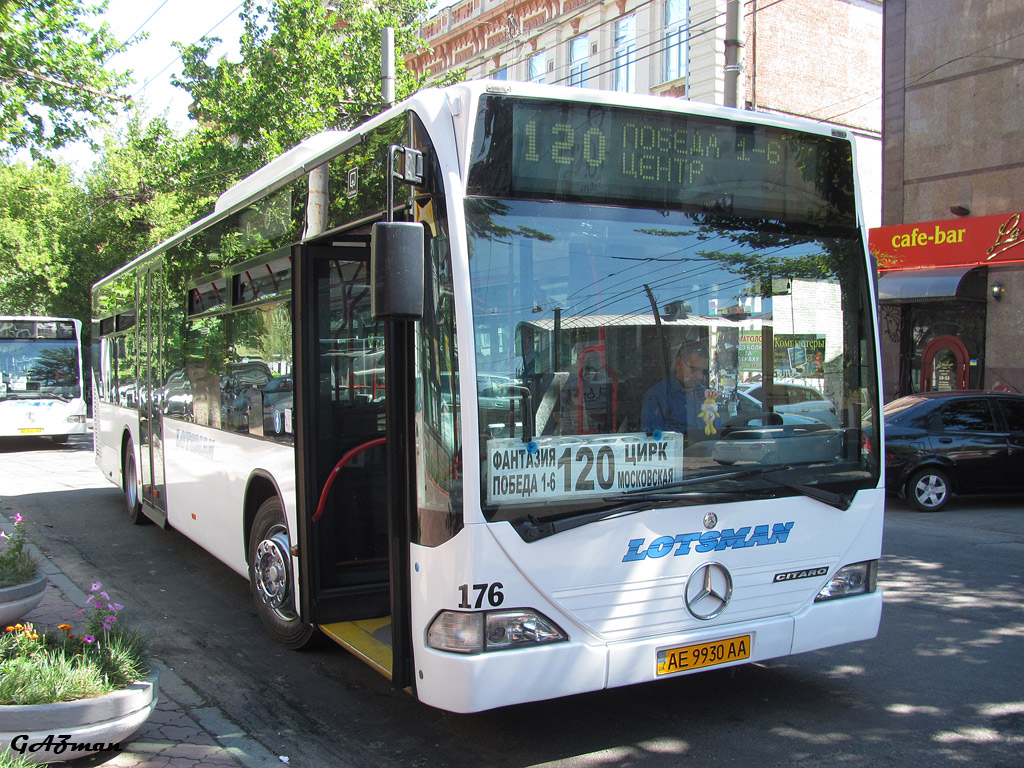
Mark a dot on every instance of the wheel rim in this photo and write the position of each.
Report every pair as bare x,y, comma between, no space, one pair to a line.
273,572
131,483
930,491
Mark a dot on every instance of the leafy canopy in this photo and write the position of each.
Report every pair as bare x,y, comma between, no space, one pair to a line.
53,86
304,68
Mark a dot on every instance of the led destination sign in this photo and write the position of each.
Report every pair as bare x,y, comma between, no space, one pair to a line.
585,152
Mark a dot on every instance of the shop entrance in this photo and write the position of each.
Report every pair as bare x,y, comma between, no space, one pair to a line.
944,365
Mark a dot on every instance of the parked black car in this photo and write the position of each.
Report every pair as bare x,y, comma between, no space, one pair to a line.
944,443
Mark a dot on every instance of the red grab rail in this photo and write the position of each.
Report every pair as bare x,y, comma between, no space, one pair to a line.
337,468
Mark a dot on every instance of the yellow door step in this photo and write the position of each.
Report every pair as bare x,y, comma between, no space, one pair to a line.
369,639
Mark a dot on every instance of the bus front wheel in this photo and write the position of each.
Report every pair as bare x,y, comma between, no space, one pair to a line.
271,581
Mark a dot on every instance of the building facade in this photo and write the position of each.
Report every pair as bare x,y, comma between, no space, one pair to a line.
951,252
819,59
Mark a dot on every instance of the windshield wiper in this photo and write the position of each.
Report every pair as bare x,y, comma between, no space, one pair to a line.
837,500
677,492
840,501
35,394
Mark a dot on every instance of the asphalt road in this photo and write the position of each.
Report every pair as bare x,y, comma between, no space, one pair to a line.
943,684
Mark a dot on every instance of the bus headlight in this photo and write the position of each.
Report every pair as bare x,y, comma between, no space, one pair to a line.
856,579
482,631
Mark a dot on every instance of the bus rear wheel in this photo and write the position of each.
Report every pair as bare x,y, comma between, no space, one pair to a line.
271,581
131,487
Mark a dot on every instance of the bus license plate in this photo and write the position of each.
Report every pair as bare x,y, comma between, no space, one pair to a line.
30,430
688,657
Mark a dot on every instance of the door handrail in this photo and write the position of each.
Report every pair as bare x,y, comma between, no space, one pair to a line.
349,455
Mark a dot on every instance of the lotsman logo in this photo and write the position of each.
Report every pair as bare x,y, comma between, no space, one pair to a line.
708,541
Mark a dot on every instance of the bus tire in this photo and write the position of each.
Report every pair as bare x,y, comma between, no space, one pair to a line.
59,439
131,487
271,581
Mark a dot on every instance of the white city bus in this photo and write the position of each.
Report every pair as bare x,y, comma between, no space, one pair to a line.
405,380
41,392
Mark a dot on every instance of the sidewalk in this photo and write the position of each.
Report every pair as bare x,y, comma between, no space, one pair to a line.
182,732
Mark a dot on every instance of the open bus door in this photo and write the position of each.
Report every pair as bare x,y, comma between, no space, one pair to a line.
355,453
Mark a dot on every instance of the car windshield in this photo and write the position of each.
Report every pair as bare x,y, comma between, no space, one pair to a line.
613,346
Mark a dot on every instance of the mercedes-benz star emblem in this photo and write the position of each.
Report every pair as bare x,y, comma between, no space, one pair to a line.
708,591
710,520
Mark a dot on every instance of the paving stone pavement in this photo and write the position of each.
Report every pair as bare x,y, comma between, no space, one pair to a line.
182,732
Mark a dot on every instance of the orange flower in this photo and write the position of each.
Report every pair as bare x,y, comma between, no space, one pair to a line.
65,627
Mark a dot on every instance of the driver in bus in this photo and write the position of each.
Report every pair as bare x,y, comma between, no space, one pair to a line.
679,403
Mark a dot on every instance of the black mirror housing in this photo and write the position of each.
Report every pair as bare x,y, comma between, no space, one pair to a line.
396,270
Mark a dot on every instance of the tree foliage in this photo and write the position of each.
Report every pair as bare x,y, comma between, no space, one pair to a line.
304,68
37,206
53,86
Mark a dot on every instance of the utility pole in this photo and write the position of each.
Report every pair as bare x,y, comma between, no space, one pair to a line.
733,46
387,65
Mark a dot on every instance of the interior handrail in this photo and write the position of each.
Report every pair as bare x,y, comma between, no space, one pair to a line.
337,468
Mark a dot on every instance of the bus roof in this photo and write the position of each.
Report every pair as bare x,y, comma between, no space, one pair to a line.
460,98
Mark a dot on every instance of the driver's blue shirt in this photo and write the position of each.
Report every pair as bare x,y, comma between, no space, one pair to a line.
671,408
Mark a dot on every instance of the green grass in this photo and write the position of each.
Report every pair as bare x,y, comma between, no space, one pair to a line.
57,666
9,759
16,567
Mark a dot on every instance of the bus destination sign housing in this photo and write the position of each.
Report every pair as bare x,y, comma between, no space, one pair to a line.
589,152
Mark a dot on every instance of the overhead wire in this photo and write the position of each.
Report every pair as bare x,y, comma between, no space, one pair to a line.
138,29
177,58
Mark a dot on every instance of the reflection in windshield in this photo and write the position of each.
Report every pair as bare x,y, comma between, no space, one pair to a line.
39,367
618,349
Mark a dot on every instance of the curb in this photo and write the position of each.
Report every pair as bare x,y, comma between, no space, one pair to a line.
184,730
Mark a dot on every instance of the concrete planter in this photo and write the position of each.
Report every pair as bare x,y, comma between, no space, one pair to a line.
68,730
18,600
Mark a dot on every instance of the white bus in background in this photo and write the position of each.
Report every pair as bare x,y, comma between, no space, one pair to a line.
397,379
41,390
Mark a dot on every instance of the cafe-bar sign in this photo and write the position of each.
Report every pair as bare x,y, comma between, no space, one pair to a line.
969,242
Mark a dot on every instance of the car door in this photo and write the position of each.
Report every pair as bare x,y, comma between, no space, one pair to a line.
965,431
1012,411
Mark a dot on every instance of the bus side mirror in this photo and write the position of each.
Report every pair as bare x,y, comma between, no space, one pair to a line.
396,270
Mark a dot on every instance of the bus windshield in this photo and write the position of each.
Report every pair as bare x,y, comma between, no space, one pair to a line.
38,359
621,349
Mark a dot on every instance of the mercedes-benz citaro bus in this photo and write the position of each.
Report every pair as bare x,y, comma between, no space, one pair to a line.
41,389
463,389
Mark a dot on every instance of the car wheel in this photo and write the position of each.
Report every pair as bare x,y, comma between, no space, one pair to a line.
928,490
271,581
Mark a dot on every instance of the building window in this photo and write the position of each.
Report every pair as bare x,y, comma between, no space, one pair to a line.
538,67
500,74
579,50
625,54
676,35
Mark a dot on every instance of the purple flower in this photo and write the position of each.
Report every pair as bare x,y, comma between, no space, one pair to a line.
96,587
89,639
4,535
18,518
115,607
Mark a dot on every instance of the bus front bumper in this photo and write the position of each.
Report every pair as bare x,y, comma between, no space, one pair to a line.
473,683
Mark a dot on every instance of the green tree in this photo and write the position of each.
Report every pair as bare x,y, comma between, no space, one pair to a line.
304,68
137,197
38,206
53,85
